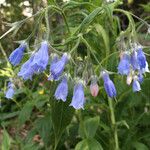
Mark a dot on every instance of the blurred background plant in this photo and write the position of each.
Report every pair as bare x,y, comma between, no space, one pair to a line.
33,120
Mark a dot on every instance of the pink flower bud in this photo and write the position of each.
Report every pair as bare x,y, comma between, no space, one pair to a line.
94,89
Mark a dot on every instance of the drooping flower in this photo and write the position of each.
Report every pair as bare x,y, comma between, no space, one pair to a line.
134,61
17,55
140,77
146,69
78,99
124,64
136,85
41,58
62,90
94,89
141,58
26,71
57,67
109,85
54,60
10,91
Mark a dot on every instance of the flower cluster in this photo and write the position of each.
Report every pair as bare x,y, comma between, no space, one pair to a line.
133,64
37,63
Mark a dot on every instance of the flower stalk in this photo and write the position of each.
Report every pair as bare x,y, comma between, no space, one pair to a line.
113,123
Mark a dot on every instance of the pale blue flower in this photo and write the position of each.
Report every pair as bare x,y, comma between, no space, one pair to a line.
124,65
78,99
62,90
109,85
140,77
136,85
141,58
17,55
41,58
134,61
10,91
57,67
26,71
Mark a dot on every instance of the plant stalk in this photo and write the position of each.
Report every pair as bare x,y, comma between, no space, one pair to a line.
113,122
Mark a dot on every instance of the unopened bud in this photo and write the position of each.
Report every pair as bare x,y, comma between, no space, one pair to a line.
94,89
129,79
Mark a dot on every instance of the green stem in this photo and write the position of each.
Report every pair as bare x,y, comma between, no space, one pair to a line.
63,15
82,123
90,49
140,19
5,56
35,27
65,20
18,24
47,24
3,52
113,122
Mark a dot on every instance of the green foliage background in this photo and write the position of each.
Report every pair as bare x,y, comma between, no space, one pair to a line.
34,120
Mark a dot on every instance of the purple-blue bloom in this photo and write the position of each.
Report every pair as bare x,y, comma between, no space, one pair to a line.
134,61
62,90
146,69
17,55
26,71
41,58
10,91
141,58
124,65
109,85
78,99
140,77
54,60
57,67
136,85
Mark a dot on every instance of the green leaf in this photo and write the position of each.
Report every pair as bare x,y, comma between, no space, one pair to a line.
122,123
146,7
101,31
31,146
88,127
85,23
6,141
62,114
5,116
25,113
139,146
88,144
43,126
